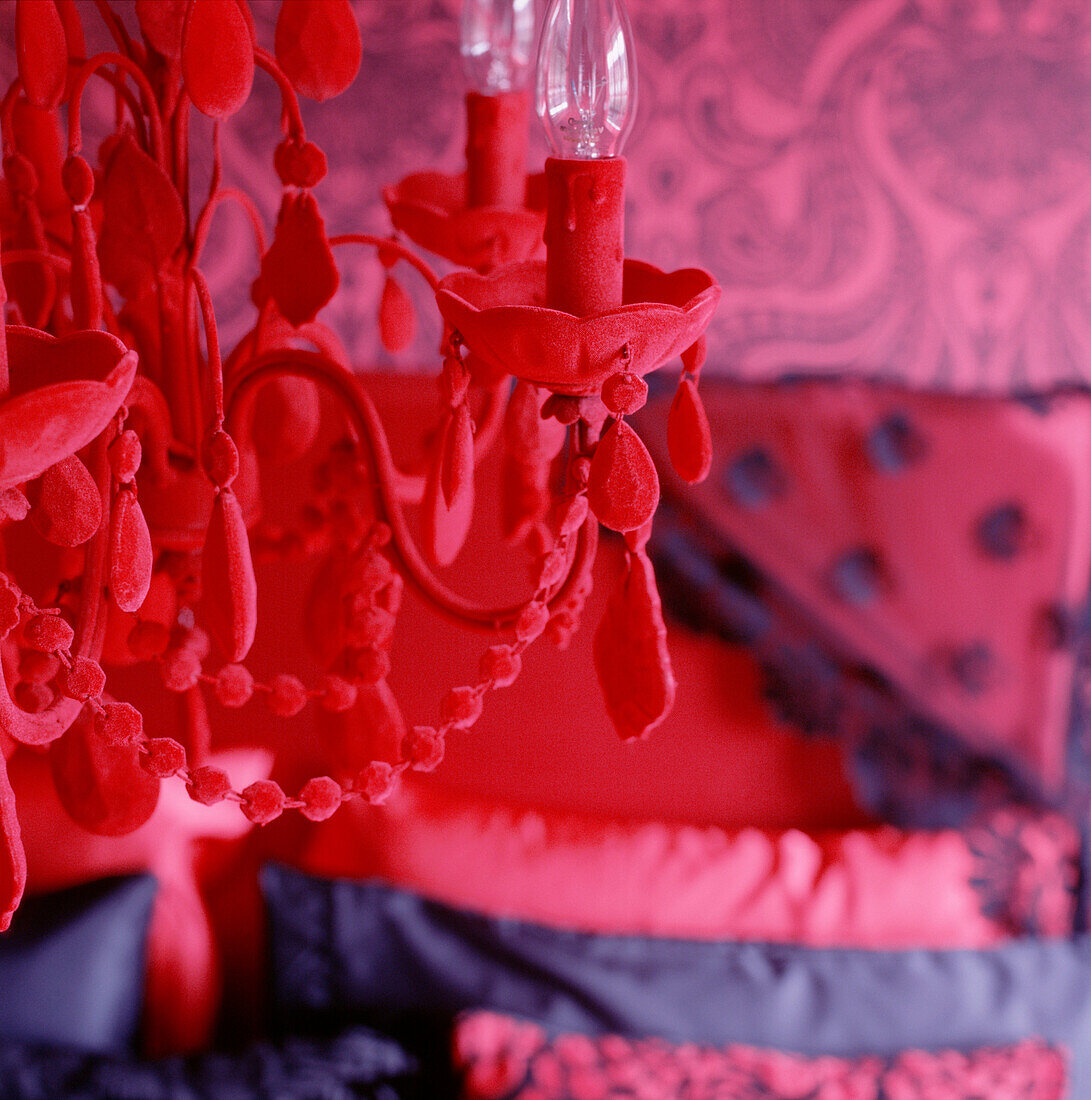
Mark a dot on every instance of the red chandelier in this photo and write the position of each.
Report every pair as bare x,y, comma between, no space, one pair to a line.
131,451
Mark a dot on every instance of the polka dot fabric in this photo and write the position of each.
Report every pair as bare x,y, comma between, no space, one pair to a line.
942,543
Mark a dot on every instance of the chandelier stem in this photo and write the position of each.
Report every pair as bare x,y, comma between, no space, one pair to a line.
151,106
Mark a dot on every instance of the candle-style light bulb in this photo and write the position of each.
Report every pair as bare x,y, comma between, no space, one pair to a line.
497,44
586,78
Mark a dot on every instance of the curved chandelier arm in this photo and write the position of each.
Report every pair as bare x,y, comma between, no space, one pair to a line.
390,244
366,420
288,99
147,95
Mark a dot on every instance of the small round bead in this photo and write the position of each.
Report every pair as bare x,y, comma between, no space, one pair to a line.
38,668
321,797
119,723
299,163
501,664
461,707
84,680
198,642
33,698
390,597
14,505
624,393
338,695
180,669
208,785
532,621
561,628
552,568
564,409
78,180
48,633
288,696
234,685
165,757
377,782
372,665
148,640
263,801
423,747
371,573
370,626
222,459
571,513
125,453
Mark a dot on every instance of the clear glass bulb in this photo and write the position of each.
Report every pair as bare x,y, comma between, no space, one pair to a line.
587,78
497,44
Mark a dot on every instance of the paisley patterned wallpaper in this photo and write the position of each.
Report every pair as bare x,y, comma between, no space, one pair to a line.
890,188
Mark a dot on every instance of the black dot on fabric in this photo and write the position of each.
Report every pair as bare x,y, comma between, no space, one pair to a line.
896,444
974,667
754,478
1002,531
859,576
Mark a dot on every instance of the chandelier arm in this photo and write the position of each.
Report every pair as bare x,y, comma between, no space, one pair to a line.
151,107
390,244
289,100
118,32
366,420
245,203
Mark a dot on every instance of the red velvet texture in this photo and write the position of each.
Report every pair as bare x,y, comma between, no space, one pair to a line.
584,234
496,149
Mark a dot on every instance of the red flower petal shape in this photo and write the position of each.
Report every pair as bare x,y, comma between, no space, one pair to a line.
689,438
298,272
161,23
444,526
623,486
143,219
430,209
63,393
318,46
217,57
503,320
42,52
397,320
631,656
67,508
131,554
230,592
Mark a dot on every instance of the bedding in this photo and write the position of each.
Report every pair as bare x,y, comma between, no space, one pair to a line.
1012,872
895,602
385,954
354,1064
503,1058
72,966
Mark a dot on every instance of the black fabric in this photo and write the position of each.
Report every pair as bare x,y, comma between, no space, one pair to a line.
355,1064
72,965
367,948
